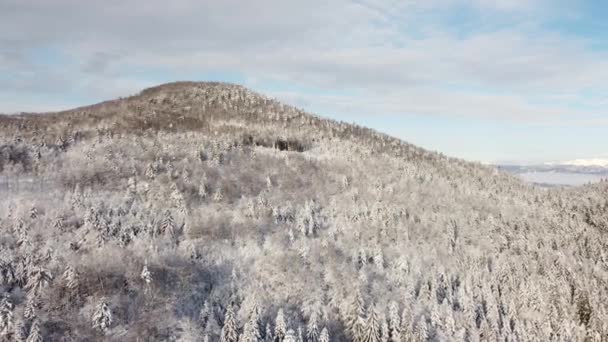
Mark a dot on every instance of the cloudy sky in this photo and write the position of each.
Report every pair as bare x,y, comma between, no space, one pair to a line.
493,81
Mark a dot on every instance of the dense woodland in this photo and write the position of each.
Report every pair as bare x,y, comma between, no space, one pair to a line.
207,212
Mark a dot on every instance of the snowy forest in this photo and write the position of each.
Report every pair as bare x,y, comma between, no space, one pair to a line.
208,212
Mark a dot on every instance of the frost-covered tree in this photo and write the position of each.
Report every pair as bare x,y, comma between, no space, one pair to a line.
280,326
35,334
355,319
102,317
421,333
146,275
6,315
20,332
312,328
394,322
71,279
229,331
373,326
290,336
252,329
29,312
38,279
324,337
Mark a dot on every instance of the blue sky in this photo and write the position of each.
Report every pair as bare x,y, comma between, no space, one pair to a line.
520,81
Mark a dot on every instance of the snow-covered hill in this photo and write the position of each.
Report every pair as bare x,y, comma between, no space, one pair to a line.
206,212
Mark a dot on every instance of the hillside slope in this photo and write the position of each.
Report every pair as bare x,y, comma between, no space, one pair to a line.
200,211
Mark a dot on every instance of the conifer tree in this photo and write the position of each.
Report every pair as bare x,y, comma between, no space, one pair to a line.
394,322
229,331
20,332
421,333
6,315
30,308
71,279
355,320
38,279
102,317
35,334
312,329
373,326
290,336
146,276
269,336
205,314
251,330
324,337
280,326
168,223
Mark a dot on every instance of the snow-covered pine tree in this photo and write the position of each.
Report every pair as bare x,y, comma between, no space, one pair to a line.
30,308
167,225
205,314
280,326
324,337
394,322
290,336
102,317
355,319
33,213
20,332
229,331
251,330
38,279
146,275
421,334
385,333
217,195
269,336
35,334
373,326
71,279
312,328
6,315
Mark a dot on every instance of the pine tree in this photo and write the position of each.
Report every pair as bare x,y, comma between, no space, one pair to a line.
20,332
146,276
290,336
38,279
205,315
385,333
355,320
280,326
269,337
6,315
372,328
312,329
217,195
30,308
167,225
230,329
421,333
102,317
71,279
324,335
251,330
394,322
35,335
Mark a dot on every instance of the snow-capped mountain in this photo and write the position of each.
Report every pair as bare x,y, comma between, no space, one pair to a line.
593,162
573,172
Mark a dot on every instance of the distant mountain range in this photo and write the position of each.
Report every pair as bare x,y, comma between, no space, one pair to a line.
581,168
571,173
